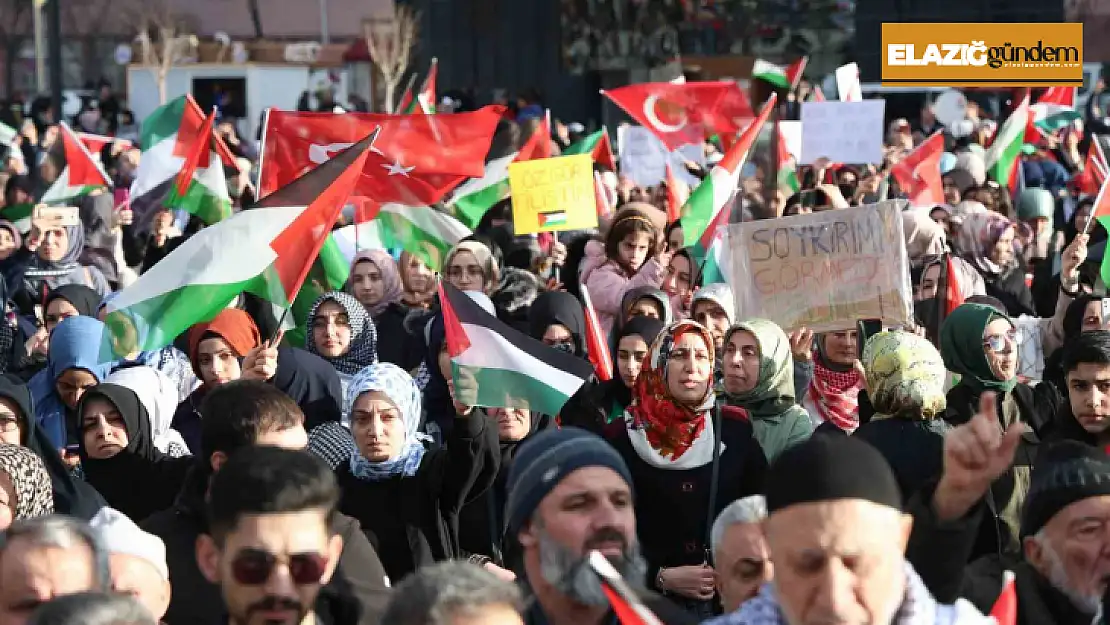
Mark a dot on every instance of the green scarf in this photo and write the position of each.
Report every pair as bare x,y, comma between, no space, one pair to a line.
961,346
774,393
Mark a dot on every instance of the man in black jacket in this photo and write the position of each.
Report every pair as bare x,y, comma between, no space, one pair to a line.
570,493
237,415
1064,567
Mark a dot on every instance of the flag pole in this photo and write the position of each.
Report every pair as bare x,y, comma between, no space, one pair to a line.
1094,207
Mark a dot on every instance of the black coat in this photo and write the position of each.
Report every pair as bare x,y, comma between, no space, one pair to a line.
1010,289
395,345
913,448
669,539
413,521
356,594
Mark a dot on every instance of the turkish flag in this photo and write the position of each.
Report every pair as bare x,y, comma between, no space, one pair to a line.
680,114
415,160
919,172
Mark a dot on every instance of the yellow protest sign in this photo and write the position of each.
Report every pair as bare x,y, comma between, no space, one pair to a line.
553,194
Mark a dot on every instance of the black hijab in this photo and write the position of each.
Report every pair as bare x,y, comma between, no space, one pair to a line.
72,497
139,480
559,307
81,297
646,328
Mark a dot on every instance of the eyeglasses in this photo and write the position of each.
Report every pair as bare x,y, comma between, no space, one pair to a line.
252,567
999,342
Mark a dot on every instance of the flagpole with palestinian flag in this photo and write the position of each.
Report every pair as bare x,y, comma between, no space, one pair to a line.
597,144
266,250
78,173
787,175
495,365
200,188
425,99
1003,158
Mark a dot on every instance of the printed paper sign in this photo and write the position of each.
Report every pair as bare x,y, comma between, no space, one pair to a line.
843,132
823,271
551,194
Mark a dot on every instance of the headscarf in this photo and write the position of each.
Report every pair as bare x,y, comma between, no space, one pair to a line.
34,496
976,238
924,237
85,300
159,396
234,326
773,393
559,307
834,389
720,294
905,376
485,259
413,298
17,238
363,349
401,390
664,433
974,165
641,292
647,329
961,346
74,344
968,280
392,288
39,268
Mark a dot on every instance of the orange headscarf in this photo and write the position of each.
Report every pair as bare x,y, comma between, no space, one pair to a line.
232,325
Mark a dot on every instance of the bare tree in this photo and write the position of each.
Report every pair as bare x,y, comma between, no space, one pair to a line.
390,41
256,18
165,38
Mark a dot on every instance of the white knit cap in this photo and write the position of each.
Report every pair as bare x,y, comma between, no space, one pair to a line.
119,534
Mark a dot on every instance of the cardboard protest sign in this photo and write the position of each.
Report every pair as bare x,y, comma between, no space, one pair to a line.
823,271
644,158
843,132
552,194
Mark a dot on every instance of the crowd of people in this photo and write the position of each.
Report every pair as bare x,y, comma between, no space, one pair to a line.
731,471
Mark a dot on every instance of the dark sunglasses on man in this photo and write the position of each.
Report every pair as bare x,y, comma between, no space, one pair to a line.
253,567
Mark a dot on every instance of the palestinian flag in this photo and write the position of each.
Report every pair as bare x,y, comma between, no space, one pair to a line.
425,100
1053,111
96,143
166,137
267,250
78,172
421,231
707,200
19,215
628,607
598,145
1003,157
474,197
787,172
496,366
406,96
711,251
781,77
1094,173
1101,212
200,188
328,273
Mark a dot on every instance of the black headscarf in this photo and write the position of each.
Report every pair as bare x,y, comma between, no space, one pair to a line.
646,328
562,308
72,497
139,480
81,297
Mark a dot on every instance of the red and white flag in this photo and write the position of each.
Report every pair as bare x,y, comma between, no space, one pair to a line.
919,172
676,114
1005,607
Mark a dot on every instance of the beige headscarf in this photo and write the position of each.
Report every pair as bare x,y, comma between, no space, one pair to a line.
924,237
484,257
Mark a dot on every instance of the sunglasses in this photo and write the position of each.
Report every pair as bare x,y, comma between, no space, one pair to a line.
252,567
999,342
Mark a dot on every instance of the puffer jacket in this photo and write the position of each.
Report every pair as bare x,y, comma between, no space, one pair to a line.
608,282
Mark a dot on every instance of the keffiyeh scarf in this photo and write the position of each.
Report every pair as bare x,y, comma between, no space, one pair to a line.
400,388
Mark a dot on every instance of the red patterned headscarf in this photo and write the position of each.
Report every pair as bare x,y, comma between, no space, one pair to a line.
670,427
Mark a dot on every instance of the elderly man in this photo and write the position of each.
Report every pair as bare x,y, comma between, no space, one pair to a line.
740,552
570,493
136,559
837,534
1062,575
454,593
44,558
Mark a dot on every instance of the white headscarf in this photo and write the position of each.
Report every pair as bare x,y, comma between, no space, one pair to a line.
159,395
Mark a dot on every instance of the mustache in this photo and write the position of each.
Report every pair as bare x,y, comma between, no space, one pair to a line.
606,535
271,602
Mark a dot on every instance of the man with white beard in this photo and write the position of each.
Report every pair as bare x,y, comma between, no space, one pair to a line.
570,493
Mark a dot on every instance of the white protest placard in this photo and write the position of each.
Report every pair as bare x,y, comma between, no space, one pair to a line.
843,132
643,157
792,135
847,83
823,271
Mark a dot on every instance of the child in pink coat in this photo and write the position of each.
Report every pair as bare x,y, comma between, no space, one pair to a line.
633,255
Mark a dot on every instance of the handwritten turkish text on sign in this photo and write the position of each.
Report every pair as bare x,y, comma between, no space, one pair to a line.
843,132
553,194
823,271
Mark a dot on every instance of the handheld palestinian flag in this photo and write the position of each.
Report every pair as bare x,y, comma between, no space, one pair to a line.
166,137
497,366
1101,212
1004,156
200,188
425,100
714,192
1094,174
781,77
787,172
267,250
596,346
1053,111
78,173
474,197
405,102
598,145
421,231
